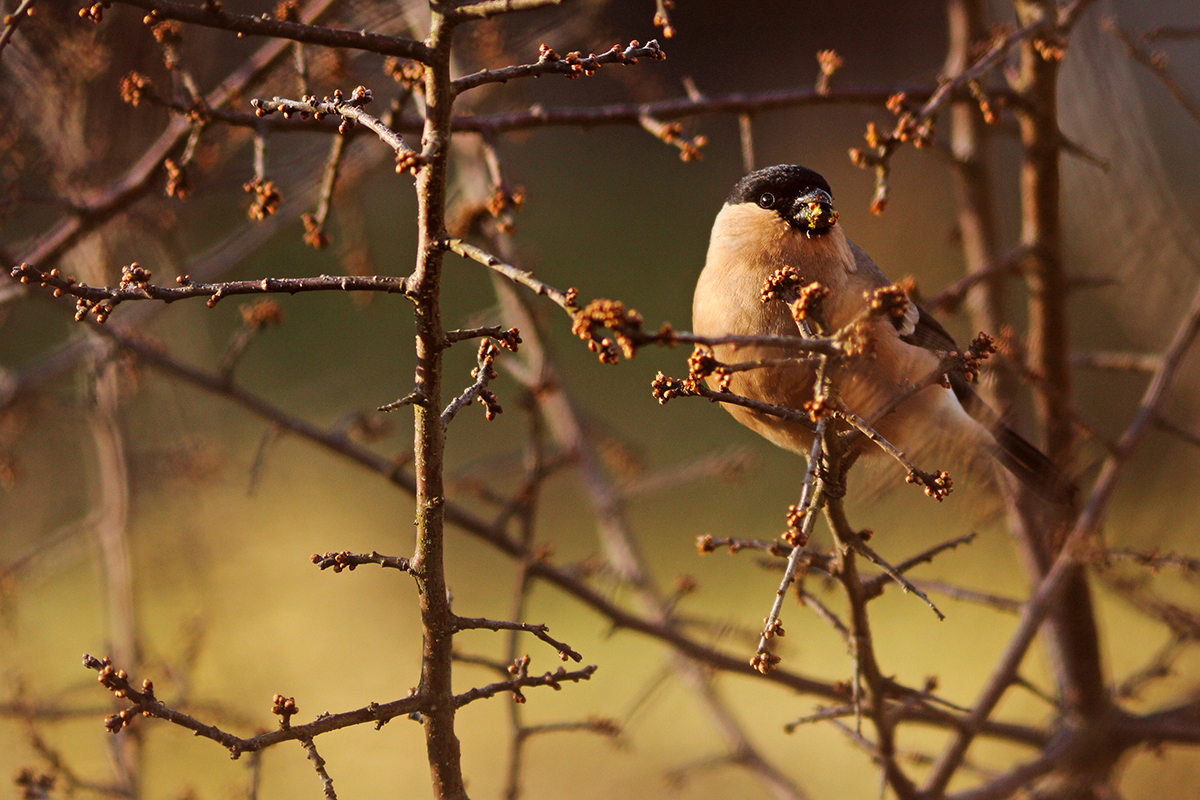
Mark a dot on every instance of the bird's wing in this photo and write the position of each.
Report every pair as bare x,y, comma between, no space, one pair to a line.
927,332
917,327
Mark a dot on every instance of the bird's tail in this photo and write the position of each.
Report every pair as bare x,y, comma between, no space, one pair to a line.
1024,460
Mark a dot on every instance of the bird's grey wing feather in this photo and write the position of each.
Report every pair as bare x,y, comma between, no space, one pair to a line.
916,327
929,333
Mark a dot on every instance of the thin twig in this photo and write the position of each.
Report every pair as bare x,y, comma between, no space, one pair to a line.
823,611
349,561
100,300
872,584
469,251
552,679
145,704
812,499
572,65
1171,32
1186,434
483,373
820,715
1007,604
350,110
1125,362
319,766
11,21
1156,63
540,631
746,133
210,15
482,9
904,583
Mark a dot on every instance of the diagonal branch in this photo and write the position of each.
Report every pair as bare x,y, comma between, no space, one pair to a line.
210,15
540,631
573,65
1087,524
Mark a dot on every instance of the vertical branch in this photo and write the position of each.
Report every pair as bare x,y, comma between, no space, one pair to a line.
861,643
111,535
424,286
526,515
1041,230
969,140
1073,638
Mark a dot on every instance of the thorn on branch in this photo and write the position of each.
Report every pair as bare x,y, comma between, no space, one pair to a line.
859,544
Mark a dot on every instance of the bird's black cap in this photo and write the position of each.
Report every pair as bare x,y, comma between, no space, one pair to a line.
783,181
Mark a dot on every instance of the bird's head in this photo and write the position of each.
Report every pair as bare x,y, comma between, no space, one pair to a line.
799,196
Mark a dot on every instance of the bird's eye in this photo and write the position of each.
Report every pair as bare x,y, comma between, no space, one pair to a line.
766,199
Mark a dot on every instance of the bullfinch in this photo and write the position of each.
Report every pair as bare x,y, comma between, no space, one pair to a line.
783,216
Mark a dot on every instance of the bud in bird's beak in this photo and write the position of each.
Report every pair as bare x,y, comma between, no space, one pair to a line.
814,213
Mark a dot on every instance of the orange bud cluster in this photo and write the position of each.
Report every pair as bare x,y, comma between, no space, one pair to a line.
266,198
937,484
891,301
981,347
601,314
664,388
764,662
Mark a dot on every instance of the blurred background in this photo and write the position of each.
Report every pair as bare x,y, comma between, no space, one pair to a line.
223,515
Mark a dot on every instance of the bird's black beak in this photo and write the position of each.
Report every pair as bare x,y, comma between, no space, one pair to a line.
813,212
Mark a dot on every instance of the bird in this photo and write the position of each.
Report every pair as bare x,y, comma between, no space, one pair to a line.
783,216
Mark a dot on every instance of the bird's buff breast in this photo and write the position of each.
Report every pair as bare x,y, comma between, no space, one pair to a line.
728,301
